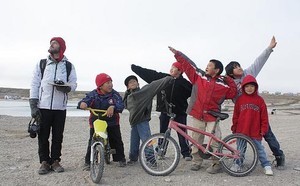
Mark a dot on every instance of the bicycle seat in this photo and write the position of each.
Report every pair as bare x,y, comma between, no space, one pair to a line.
220,115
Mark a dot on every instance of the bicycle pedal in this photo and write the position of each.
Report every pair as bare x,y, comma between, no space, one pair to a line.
113,151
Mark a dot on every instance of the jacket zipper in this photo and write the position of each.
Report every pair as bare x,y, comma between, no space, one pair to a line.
53,87
171,99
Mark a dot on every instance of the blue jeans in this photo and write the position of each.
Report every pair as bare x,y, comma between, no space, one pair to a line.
242,147
140,131
261,153
273,143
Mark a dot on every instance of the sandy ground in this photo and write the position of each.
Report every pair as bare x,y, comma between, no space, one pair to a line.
19,158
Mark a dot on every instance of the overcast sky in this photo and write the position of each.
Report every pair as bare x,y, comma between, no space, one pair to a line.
108,36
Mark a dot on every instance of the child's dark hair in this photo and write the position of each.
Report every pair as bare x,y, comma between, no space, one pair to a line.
218,65
229,68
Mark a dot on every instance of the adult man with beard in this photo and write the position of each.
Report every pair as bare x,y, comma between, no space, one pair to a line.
48,102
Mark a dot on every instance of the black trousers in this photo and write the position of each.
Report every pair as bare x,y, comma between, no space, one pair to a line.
115,142
52,121
164,122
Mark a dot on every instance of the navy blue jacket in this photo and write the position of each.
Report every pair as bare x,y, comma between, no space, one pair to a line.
100,101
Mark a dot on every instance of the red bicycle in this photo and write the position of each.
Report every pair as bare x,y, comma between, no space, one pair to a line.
160,154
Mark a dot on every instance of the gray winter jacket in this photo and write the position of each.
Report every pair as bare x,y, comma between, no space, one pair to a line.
139,102
253,69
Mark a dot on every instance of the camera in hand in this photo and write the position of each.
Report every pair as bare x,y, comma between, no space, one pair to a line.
33,127
59,82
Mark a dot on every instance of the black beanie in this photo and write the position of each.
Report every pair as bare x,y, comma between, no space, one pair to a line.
130,78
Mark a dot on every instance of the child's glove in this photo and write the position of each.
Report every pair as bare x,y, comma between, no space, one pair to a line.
63,89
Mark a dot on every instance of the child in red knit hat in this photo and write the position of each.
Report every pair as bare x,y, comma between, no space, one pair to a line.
104,97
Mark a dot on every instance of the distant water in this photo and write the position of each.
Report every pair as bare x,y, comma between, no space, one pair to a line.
21,108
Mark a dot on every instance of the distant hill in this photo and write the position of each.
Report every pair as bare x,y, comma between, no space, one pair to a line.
24,93
271,99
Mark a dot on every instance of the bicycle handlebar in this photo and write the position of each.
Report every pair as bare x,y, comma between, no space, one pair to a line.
94,111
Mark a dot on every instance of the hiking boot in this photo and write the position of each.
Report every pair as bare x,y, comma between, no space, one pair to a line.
214,169
57,167
122,163
86,167
45,168
268,171
195,167
131,162
280,162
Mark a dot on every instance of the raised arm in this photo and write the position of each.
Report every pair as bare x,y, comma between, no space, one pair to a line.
260,61
155,87
147,75
189,67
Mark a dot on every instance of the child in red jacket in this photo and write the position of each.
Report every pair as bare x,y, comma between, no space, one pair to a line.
250,117
209,91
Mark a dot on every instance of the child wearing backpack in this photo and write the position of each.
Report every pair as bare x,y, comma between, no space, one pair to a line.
48,103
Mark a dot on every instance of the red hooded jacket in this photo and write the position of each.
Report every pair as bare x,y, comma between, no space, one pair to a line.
250,116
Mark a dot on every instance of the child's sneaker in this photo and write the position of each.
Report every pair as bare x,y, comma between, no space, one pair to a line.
195,167
188,158
131,162
280,162
235,167
122,163
86,167
268,171
214,168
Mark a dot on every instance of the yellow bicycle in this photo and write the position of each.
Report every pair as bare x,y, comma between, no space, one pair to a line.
100,148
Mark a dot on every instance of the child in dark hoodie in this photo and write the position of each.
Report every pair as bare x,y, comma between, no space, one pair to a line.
250,117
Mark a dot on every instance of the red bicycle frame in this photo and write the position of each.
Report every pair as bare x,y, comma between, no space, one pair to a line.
177,127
